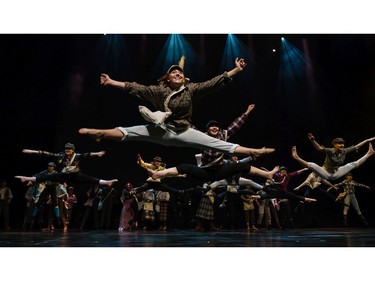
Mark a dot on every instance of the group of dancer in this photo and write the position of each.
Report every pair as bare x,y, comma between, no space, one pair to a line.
170,125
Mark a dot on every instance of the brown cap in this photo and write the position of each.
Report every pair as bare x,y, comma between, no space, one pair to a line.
338,140
157,159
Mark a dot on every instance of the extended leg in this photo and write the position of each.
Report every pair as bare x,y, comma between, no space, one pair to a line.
99,134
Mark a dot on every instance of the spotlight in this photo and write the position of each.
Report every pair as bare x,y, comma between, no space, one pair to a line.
282,38
274,50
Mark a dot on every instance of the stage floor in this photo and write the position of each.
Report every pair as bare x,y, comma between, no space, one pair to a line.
322,237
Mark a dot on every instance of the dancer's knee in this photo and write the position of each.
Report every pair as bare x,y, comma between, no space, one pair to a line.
123,132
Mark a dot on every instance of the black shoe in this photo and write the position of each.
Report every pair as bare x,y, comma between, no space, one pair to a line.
345,221
364,221
292,224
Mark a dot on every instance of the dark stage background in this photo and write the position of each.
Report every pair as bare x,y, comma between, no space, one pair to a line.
50,88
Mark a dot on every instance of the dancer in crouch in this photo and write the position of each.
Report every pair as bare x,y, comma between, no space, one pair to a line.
69,162
333,167
173,99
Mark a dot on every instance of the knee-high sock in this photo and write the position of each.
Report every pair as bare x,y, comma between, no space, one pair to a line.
57,212
35,212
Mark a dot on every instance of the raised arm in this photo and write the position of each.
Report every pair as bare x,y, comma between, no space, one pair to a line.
239,66
238,123
105,80
249,109
142,163
364,142
314,142
139,159
307,181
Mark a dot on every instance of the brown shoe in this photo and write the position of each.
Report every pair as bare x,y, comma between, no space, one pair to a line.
199,227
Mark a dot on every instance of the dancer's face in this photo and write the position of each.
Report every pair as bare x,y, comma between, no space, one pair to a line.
283,172
339,146
213,130
50,168
234,158
69,151
128,186
176,79
157,164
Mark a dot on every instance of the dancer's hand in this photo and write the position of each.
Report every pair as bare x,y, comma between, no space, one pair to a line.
105,79
310,136
249,109
101,153
240,64
139,158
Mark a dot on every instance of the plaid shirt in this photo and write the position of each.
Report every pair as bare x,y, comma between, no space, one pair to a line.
209,155
349,186
179,103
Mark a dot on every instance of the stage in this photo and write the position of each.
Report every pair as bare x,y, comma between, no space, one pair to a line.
322,237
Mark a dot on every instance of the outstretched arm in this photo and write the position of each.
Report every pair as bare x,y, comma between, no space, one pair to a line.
30,151
302,170
314,142
337,186
97,154
245,160
105,80
362,185
239,66
364,142
327,183
306,182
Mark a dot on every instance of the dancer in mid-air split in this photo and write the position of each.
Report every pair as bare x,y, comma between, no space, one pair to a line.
278,188
173,99
333,167
68,163
213,174
156,165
